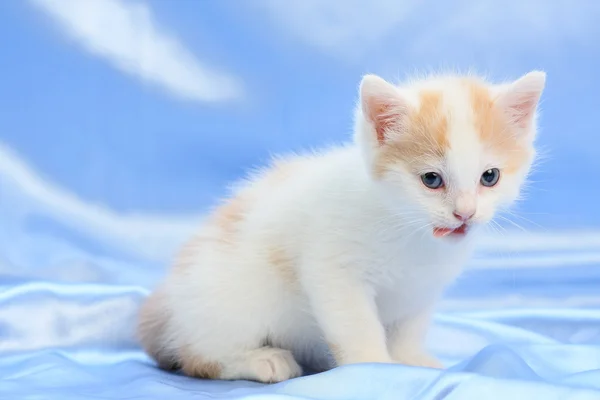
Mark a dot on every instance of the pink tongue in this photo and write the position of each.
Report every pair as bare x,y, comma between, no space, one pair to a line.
440,232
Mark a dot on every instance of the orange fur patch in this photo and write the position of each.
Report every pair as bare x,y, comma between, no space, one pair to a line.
426,135
280,171
195,366
336,352
283,265
493,128
186,256
230,214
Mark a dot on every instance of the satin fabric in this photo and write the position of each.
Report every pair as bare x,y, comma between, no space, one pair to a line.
528,329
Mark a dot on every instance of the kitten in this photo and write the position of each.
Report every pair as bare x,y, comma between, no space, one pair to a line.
339,258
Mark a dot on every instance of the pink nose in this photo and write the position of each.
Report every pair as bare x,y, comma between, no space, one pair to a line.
463,216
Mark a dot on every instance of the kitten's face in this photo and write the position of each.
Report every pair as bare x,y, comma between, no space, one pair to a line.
451,151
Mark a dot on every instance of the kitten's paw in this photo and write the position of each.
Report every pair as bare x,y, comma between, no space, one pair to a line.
271,365
275,365
419,360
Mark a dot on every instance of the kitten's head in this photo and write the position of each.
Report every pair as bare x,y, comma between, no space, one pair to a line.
449,151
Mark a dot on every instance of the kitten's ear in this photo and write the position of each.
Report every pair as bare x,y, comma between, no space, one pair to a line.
519,99
382,106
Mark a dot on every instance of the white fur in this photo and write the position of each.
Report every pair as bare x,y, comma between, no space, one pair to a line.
368,268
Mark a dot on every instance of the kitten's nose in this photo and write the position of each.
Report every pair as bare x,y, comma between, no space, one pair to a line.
463,215
465,206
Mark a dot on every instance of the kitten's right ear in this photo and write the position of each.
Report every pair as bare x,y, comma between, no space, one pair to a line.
382,106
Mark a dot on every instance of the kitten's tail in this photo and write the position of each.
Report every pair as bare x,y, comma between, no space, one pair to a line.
152,330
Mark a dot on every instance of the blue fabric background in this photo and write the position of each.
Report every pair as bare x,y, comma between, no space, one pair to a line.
121,121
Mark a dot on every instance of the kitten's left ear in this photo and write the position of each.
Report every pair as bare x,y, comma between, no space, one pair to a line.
519,99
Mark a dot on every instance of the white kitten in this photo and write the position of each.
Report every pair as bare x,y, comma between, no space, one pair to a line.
339,257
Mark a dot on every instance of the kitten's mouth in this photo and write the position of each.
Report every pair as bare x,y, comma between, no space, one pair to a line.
457,232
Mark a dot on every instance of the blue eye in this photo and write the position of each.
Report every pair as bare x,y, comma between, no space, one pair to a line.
490,177
432,180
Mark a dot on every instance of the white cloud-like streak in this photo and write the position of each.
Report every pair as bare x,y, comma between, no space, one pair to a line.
416,28
127,36
24,193
331,25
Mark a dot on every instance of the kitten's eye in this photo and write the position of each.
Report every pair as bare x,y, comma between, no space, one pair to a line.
432,180
490,177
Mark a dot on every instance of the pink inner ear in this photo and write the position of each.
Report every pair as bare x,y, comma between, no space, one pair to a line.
520,100
382,105
522,109
384,117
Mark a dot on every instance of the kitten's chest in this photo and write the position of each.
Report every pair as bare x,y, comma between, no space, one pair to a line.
414,278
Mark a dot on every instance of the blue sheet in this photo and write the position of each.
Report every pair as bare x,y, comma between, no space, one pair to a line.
500,338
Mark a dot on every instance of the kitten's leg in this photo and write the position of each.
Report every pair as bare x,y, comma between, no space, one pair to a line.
229,340
348,316
232,348
406,341
224,336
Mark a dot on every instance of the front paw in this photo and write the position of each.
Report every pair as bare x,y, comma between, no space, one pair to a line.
419,360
